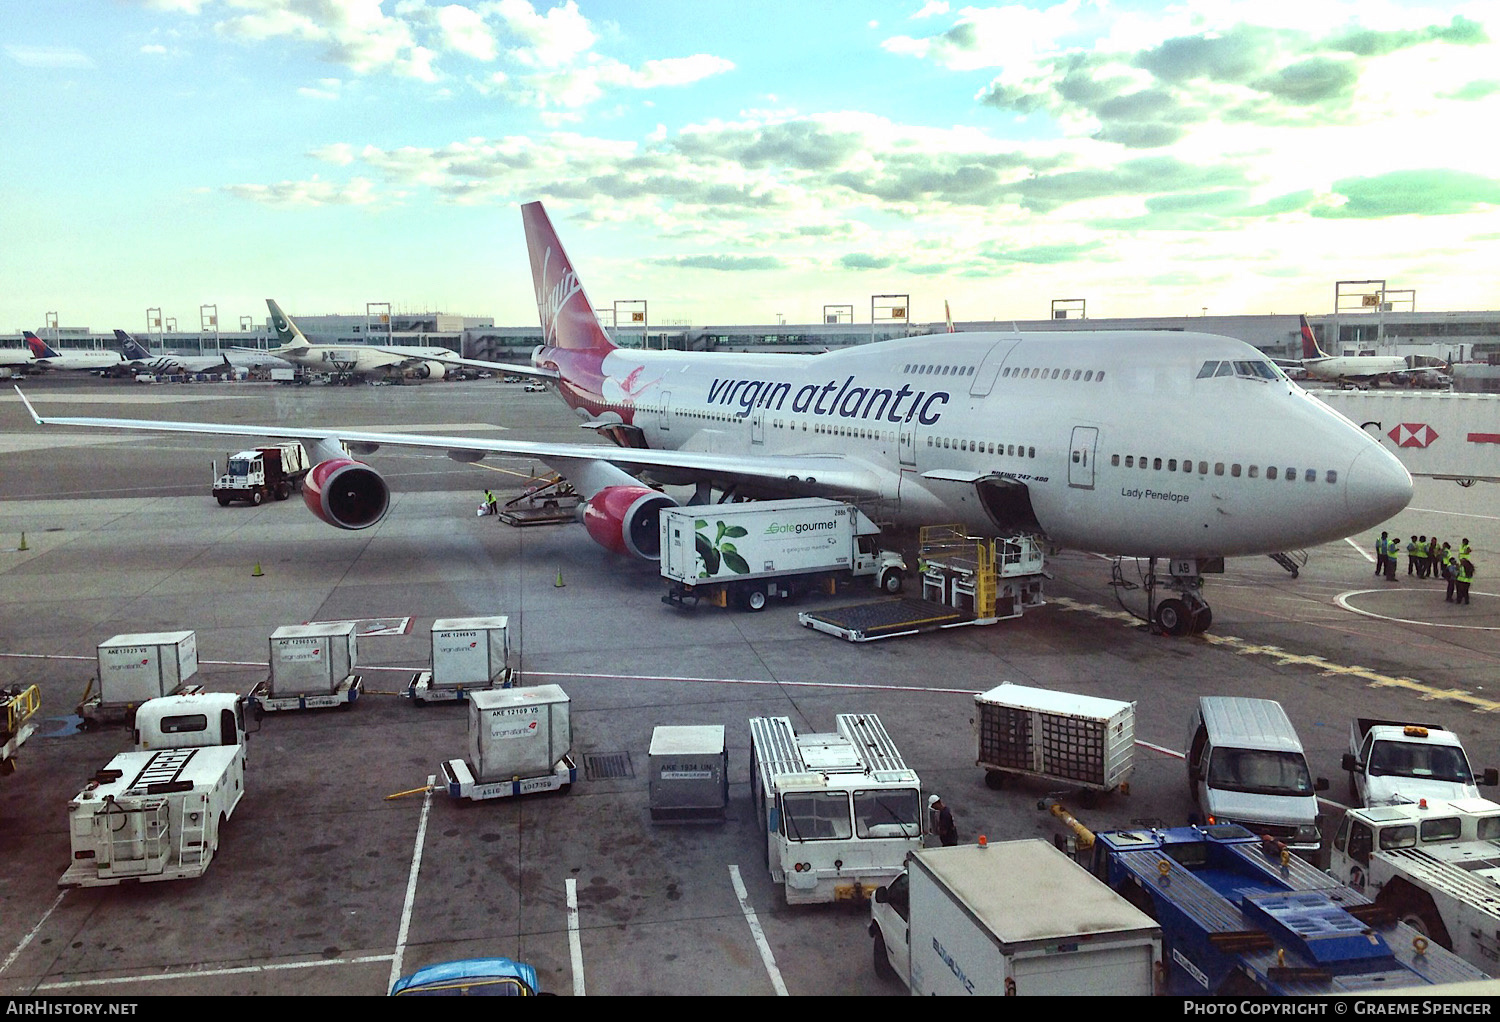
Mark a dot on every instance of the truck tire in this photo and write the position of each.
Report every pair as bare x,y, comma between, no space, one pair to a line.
882,958
223,500
1415,908
891,580
256,496
754,599
283,491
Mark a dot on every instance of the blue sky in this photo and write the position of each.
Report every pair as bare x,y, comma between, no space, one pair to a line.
732,163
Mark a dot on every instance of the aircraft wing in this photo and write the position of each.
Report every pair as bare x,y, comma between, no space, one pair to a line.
475,363
806,474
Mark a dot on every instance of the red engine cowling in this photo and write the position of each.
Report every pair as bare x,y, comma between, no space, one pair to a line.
346,493
625,519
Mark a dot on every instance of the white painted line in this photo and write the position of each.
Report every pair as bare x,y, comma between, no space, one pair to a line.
755,930
1343,601
10,958
1460,514
575,946
411,887
1161,749
754,681
1368,556
238,970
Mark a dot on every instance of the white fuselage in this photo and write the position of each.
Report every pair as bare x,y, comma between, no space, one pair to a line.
1133,443
90,361
356,358
1336,368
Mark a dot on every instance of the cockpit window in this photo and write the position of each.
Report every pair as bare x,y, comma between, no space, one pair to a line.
1248,370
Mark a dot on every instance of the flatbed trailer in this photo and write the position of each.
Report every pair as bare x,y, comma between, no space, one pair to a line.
884,619
348,691
1240,916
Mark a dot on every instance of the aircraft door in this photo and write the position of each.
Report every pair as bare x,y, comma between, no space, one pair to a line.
676,548
906,441
664,421
1081,457
758,426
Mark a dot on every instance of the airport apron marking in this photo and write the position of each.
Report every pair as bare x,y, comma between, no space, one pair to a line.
1284,659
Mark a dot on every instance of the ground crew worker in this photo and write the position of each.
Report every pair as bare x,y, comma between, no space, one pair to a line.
1450,572
1380,554
491,507
1435,557
1464,550
1392,552
1411,556
1463,575
942,821
1422,561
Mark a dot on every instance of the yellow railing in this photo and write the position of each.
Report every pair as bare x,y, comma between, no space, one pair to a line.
21,707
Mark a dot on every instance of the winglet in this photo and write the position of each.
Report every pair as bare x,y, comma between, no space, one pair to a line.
37,418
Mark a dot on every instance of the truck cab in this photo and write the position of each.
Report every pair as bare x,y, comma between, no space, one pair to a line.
1245,765
1391,762
190,722
254,475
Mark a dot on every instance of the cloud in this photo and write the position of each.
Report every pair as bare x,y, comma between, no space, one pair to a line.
1411,192
302,194
1472,90
931,9
48,56
465,31
327,88
153,49
724,262
864,261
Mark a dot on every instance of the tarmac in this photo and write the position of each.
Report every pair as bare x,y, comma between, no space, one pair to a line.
322,885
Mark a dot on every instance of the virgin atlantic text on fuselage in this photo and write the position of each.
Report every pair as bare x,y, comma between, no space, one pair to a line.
864,403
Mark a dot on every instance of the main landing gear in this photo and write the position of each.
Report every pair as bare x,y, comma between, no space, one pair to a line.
1185,611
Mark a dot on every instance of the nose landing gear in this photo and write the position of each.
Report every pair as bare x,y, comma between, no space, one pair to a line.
1184,613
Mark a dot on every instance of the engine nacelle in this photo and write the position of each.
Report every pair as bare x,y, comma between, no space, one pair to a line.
625,519
346,493
427,371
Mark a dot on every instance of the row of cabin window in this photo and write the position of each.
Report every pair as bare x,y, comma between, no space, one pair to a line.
928,369
1309,475
1086,375
982,447
835,430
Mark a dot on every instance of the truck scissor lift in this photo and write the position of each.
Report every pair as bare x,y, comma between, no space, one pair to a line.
965,581
19,706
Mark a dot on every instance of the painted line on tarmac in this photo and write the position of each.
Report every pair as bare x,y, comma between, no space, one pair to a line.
1460,514
755,931
10,958
200,973
1343,601
411,887
753,681
1284,658
575,945
1367,555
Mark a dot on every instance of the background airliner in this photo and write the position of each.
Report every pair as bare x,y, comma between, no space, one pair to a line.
1344,369
1188,447
45,357
139,359
363,361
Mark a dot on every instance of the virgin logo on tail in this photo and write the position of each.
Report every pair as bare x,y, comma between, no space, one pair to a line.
552,302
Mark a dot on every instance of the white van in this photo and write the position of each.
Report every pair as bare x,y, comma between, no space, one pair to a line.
1245,765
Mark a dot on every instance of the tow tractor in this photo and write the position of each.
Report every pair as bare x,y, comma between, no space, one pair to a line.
1240,915
20,705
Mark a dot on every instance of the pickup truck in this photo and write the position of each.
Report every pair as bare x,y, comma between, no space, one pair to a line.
1391,762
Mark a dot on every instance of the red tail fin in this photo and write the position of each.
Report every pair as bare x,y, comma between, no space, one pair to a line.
1310,347
36,344
568,320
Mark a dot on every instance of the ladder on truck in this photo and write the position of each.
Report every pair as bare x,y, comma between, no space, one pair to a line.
164,767
192,837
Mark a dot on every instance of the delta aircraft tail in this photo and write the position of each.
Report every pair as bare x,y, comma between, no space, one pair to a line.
39,348
1310,347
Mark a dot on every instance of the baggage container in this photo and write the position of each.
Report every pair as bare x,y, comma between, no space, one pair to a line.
518,732
689,774
146,665
312,659
470,652
1083,742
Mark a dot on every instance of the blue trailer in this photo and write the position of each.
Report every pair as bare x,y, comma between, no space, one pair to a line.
1240,915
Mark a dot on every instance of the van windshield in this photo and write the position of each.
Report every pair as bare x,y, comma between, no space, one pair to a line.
1408,759
1259,772
816,815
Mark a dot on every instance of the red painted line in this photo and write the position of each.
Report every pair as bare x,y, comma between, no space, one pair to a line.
1484,438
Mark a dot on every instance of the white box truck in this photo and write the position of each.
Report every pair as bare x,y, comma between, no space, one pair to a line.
274,471
520,742
312,666
750,552
1014,918
468,654
838,811
156,813
1084,742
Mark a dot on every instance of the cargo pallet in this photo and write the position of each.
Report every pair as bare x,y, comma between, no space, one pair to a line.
538,506
421,691
261,700
885,619
461,783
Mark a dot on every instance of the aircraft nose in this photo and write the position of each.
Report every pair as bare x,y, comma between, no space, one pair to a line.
1377,486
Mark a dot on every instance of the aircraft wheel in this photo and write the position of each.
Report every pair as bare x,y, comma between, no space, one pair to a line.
1172,617
1202,619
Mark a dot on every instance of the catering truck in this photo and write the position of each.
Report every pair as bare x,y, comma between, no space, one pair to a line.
156,813
1433,865
748,553
254,475
1017,918
838,811
1392,761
